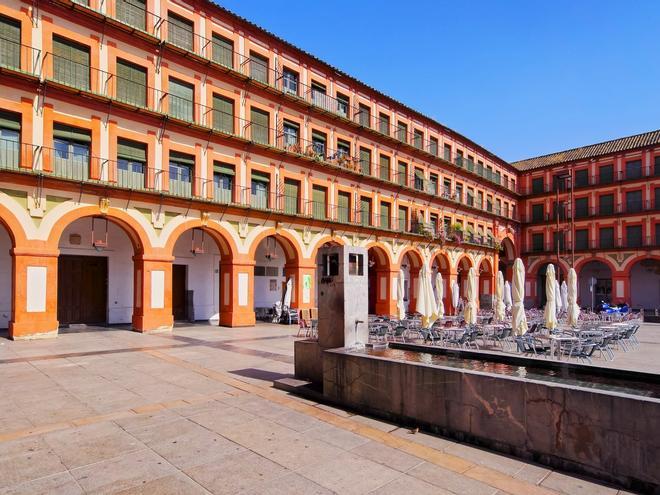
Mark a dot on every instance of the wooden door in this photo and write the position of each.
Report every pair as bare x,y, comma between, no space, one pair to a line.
82,289
179,278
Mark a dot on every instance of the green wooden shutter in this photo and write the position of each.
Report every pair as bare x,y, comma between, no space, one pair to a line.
259,125
403,218
343,207
131,83
68,133
10,43
131,150
365,161
384,167
385,214
132,12
180,31
365,211
291,196
181,100
419,179
71,63
259,68
222,51
223,114
11,121
319,201
402,174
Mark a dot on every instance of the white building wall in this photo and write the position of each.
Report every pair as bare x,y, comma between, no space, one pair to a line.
5,278
120,263
203,274
264,297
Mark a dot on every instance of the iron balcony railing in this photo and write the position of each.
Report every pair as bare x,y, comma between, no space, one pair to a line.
644,242
19,57
594,180
608,209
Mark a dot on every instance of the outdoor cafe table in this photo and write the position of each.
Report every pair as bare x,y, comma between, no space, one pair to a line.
555,342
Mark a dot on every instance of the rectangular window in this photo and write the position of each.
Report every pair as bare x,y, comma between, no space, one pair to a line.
258,68
222,51
72,150
489,203
559,210
319,202
558,241
319,140
384,124
537,212
480,199
365,211
469,199
433,146
10,139
10,43
343,104
559,182
131,83
634,201
634,170
582,239
131,164
537,185
582,177
290,135
385,215
434,184
480,168
497,177
656,165
259,123
319,96
365,161
459,158
70,63
581,207
384,167
418,139
343,207
606,204
606,236
132,12
419,179
181,170
656,199
402,132
498,206
537,242
458,192
606,174
181,100
180,31
259,188
435,223
223,182
447,153
343,150
291,196
290,81
634,236
223,114
403,219
446,188
470,163
402,174
364,116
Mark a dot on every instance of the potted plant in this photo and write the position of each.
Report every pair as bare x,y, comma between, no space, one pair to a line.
457,230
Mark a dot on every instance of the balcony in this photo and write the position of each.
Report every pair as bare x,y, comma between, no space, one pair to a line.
597,180
15,56
628,208
610,244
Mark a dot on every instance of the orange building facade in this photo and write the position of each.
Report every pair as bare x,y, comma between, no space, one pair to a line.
167,161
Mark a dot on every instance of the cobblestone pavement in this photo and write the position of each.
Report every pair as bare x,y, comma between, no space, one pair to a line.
193,411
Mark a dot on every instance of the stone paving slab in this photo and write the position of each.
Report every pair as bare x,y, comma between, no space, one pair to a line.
194,412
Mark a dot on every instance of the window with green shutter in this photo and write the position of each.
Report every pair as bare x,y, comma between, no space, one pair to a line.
365,116
343,207
582,239
365,161
223,182
223,114
433,146
259,121
132,12
606,237
384,124
131,163
418,139
72,149
402,174
180,31
402,132
403,218
131,83
181,100
606,204
181,171
384,167
259,68
365,211
70,63
10,137
385,215
419,179
10,43
291,196
319,202
259,186
222,51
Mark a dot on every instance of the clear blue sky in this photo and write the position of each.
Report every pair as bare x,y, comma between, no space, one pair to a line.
522,78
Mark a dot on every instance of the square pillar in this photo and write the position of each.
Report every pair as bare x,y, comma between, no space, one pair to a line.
620,288
414,287
152,296
34,305
303,279
237,293
386,283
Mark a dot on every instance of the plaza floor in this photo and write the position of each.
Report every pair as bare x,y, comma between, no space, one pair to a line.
194,411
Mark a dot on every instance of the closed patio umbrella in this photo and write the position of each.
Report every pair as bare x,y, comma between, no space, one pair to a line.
564,296
400,306
426,303
286,300
507,295
558,303
499,300
470,313
550,312
454,295
519,319
440,294
573,308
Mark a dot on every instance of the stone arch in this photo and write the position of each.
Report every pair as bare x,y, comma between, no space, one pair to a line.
581,263
219,234
13,226
603,271
441,261
463,265
381,254
382,278
486,287
643,279
507,256
411,274
15,236
415,257
290,244
326,239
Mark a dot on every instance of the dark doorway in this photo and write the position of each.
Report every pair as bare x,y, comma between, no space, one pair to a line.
82,289
179,279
